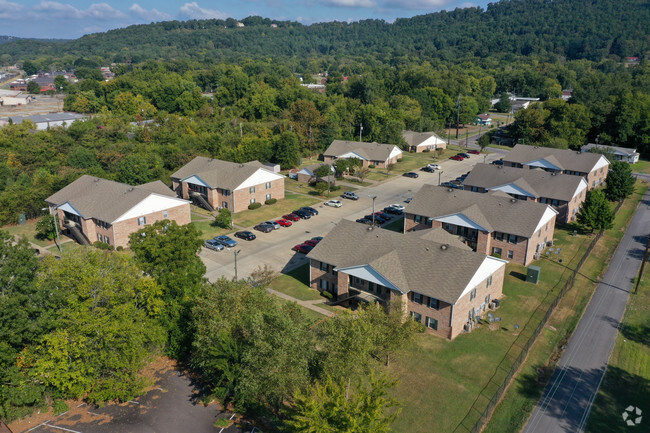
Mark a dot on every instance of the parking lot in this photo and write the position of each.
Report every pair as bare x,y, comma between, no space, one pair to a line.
275,249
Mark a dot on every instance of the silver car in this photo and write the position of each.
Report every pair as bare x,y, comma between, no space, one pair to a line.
213,245
273,224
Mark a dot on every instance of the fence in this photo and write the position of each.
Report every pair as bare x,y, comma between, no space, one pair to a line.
492,392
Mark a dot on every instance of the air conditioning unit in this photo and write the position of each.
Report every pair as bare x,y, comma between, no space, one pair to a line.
536,256
549,243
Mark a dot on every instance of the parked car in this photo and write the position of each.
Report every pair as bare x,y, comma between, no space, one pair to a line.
451,185
428,169
463,154
474,152
309,210
226,241
411,174
385,216
378,219
249,236
311,242
334,203
408,200
303,248
393,211
434,166
291,217
284,222
457,158
498,162
213,245
317,238
275,225
302,214
264,228
398,206
364,221
350,195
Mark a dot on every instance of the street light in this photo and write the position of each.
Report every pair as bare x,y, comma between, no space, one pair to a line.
360,131
373,197
439,173
236,253
56,229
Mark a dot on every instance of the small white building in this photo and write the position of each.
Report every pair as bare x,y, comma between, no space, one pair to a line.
619,153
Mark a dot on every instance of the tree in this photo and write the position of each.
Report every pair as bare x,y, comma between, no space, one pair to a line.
596,212
361,172
620,181
339,406
223,219
286,150
34,88
324,171
60,83
504,105
46,227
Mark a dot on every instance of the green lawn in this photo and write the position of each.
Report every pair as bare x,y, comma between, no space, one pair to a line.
312,315
208,230
296,284
290,202
522,396
379,174
27,230
356,181
395,225
65,246
641,167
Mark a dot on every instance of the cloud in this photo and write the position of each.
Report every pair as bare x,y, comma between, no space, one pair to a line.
194,11
46,10
103,11
150,15
416,4
9,9
57,10
351,3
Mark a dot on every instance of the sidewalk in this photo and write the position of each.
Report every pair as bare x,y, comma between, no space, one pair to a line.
307,304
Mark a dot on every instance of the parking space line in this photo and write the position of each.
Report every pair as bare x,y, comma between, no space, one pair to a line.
34,428
133,401
61,428
229,419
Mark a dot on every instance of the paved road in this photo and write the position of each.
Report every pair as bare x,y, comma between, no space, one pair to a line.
566,402
274,248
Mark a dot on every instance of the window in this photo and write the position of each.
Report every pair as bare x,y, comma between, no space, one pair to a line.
488,283
417,218
323,284
224,204
268,196
268,185
472,294
416,316
252,200
432,323
434,303
371,286
487,299
164,214
226,192
417,298
497,236
475,189
334,272
323,267
512,239
496,251
251,189
511,254
142,221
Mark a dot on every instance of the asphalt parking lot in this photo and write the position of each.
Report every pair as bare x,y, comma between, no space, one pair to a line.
274,249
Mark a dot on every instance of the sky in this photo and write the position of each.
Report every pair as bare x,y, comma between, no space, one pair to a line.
74,18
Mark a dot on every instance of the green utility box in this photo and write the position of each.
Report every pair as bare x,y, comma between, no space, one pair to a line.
532,275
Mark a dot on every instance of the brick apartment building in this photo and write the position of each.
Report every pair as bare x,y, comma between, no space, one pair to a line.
377,154
493,223
592,166
360,264
421,141
565,193
214,184
95,209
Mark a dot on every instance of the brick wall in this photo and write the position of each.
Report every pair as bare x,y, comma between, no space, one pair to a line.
597,176
442,315
540,237
122,229
243,196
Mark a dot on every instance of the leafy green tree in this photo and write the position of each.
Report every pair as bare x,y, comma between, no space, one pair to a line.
34,88
361,172
60,83
29,67
596,213
504,105
324,171
619,181
338,406
286,150
46,227
223,218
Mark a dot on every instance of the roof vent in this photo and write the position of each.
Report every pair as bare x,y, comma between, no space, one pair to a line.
369,228
443,247
513,200
241,165
500,167
553,173
427,248
450,189
131,189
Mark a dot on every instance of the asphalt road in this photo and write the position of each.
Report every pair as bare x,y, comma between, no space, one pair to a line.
274,249
566,402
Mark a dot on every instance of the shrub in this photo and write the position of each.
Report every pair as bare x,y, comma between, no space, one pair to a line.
335,187
59,407
426,151
255,205
103,246
271,201
371,166
120,248
222,219
327,294
223,423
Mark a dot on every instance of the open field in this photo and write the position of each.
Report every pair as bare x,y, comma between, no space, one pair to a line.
641,167
526,389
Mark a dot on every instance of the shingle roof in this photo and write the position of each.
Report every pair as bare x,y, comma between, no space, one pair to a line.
103,199
218,173
370,151
440,236
50,117
158,187
494,211
613,149
413,138
539,183
583,162
410,263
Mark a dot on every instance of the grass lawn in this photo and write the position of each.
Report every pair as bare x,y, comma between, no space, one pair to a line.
27,230
296,284
208,231
395,225
412,162
312,315
523,394
65,246
290,202
356,181
641,167
379,174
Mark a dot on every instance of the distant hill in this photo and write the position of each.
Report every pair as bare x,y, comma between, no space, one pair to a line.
587,29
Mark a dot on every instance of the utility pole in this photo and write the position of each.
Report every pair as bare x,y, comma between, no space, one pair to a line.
373,197
236,253
439,174
360,131
457,115
56,228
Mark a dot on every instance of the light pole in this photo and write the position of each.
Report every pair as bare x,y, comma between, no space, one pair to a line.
373,197
439,174
236,253
360,131
56,229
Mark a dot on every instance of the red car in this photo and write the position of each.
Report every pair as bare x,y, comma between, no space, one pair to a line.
291,217
457,158
311,242
284,222
474,152
303,248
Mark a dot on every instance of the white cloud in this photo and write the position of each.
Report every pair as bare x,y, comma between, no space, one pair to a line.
104,11
46,10
9,9
58,10
194,11
351,3
150,15
416,4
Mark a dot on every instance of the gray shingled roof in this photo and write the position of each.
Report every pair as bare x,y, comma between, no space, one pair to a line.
413,138
495,211
440,236
158,187
103,199
370,151
583,162
410,263
613,149
540,183
218,173
50,117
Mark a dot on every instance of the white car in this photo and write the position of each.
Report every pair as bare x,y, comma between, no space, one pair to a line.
434,166
334,203
276,226
397,206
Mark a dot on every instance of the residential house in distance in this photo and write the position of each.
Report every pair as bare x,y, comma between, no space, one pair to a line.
95,209
307,175
421,141
592,166
379,155
214,184
483,119
618,153
355,262
493,223
562,191
45,121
